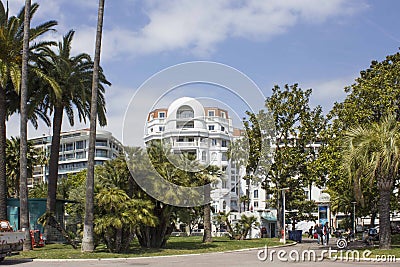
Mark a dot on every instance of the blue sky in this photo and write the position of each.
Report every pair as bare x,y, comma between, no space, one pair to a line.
319,44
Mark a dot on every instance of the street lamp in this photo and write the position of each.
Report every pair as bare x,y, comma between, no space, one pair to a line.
283,205
354,218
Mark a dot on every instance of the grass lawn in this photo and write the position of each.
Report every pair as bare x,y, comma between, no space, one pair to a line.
175,246
395,250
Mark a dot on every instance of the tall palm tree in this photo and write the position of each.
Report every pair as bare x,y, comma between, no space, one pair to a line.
23,162
11,46
88,241
374,151
74,75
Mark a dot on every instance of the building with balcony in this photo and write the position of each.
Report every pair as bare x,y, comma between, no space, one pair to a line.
73,155
203,132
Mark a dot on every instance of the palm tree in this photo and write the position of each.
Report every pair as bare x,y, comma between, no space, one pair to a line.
374,151
118,215
34,157
74,75
23,182
11,46
246,224
87,241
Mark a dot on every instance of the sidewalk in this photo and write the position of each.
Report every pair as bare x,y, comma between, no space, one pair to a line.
308,243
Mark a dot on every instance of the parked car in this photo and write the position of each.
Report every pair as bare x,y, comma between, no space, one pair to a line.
10,241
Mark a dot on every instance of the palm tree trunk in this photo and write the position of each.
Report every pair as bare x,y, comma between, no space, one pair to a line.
53,165
3,144
24,208
385,237
88,240
53,162
207,238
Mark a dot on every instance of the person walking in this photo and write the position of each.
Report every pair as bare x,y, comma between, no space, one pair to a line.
326,233
320,233
311,233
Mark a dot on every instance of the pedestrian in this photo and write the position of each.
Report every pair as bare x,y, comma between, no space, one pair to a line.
320,233
310,232
326,233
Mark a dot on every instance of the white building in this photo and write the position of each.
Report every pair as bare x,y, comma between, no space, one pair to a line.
73,155
205,132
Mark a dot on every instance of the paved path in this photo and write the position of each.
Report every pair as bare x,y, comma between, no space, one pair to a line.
237,258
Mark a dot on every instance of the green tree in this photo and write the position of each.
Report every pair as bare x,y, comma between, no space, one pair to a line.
11,46
88,242
298,127
374,95
74,76
224,218
374,150
118,216
34,157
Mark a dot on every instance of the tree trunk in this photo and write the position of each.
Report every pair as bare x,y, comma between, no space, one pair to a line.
23,183
373,217
88,240
279,216
3,144
207,238
385,237
156,237
248,194
53,164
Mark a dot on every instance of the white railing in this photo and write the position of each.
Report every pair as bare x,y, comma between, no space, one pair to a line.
181,144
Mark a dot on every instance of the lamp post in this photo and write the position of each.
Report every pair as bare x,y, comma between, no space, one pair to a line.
283,206
354,218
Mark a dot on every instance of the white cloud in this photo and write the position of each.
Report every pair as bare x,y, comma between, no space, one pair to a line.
326,93
195,27
198,27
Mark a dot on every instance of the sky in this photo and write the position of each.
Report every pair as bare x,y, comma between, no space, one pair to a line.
318,44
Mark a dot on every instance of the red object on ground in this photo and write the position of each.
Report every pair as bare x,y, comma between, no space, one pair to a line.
36,238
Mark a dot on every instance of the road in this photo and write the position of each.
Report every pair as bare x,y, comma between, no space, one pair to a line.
293,255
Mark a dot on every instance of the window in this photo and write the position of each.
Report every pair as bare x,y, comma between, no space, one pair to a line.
223,115
224,156
101,153
101,142
161,115
213,142
69,146
80,155
214,156
203,156
255,204
211,113
224,205
224,143
79,144
185,125
161,128
180,139
190,139
211,127
151,116
256,193
185,112
222,128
